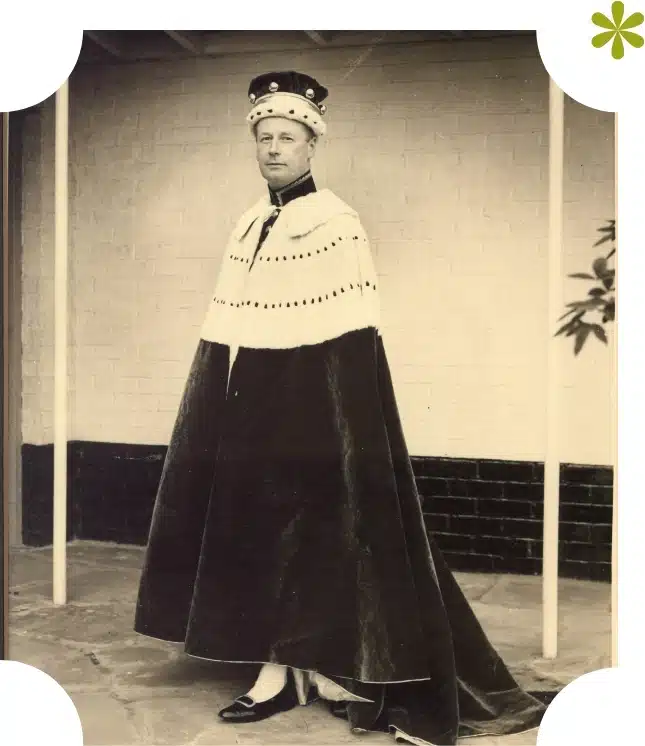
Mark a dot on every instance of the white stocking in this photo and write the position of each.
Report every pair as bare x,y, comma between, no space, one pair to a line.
333,692
271,680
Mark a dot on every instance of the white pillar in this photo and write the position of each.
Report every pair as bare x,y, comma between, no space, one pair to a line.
61,212
553,406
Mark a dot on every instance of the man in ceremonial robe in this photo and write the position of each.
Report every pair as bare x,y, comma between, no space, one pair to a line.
288,530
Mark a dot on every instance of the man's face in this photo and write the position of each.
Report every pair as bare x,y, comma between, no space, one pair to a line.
284,149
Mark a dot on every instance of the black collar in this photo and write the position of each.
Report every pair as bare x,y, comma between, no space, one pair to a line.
299,188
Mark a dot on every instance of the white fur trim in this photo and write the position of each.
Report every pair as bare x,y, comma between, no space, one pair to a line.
289,106
306,214
313,279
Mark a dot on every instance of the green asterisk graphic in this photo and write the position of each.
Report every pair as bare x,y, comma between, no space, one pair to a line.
617,30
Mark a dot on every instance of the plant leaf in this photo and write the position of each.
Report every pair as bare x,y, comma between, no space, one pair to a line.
591,305
600,298
583,334
563,329
600,266
585,305
599,332
571,325
604,239
569,312
567,329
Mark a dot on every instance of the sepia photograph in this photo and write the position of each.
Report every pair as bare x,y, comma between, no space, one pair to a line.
4,513
309,387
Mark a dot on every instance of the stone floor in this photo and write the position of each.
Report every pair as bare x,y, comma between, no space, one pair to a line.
132,690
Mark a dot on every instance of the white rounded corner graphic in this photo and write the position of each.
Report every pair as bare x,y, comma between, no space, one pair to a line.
35,64
35,709
594,51
593,710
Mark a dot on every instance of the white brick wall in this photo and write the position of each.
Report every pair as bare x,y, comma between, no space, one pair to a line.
443,149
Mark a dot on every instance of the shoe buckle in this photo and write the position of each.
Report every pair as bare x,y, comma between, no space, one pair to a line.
245,701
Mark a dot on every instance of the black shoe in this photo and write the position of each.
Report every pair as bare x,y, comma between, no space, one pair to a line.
245,710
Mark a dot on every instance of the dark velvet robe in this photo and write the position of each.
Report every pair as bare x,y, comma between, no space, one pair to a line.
288,529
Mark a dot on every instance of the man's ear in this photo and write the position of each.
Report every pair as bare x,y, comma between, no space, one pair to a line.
313,142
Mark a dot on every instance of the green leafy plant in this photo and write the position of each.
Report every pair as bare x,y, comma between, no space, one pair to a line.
600,300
